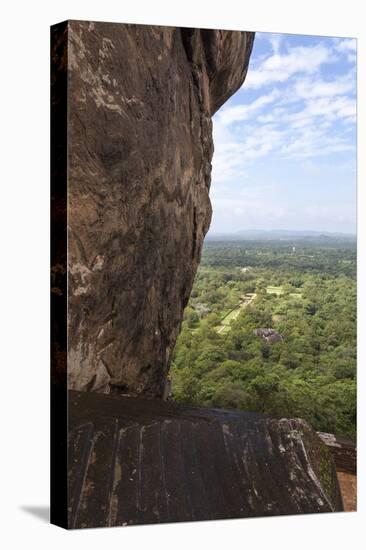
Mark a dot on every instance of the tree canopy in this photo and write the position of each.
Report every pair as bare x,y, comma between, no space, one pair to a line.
308,297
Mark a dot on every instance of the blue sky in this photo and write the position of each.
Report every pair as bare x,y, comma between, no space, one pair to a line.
285,143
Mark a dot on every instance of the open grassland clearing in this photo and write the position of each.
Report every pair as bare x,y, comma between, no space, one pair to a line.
275,290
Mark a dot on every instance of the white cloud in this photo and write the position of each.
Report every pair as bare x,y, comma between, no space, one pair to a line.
243,206
305,88
313,142
233,152
275,41
227,162
279,68
346,45
238,113
331,108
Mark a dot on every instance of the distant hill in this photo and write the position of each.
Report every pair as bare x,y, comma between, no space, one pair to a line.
280,234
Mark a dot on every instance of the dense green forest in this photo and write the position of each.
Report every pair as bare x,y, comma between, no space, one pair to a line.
306,365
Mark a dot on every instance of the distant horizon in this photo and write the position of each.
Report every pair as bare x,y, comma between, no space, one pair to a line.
287,230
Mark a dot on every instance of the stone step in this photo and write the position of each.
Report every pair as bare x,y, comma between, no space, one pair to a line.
135,461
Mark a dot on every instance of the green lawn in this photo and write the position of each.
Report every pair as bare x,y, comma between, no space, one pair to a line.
280,291
275,290
233,314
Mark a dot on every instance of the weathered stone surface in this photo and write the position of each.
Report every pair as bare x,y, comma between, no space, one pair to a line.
140,101
134,461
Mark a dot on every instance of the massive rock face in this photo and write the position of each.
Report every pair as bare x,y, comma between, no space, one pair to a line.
140,101
137,169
